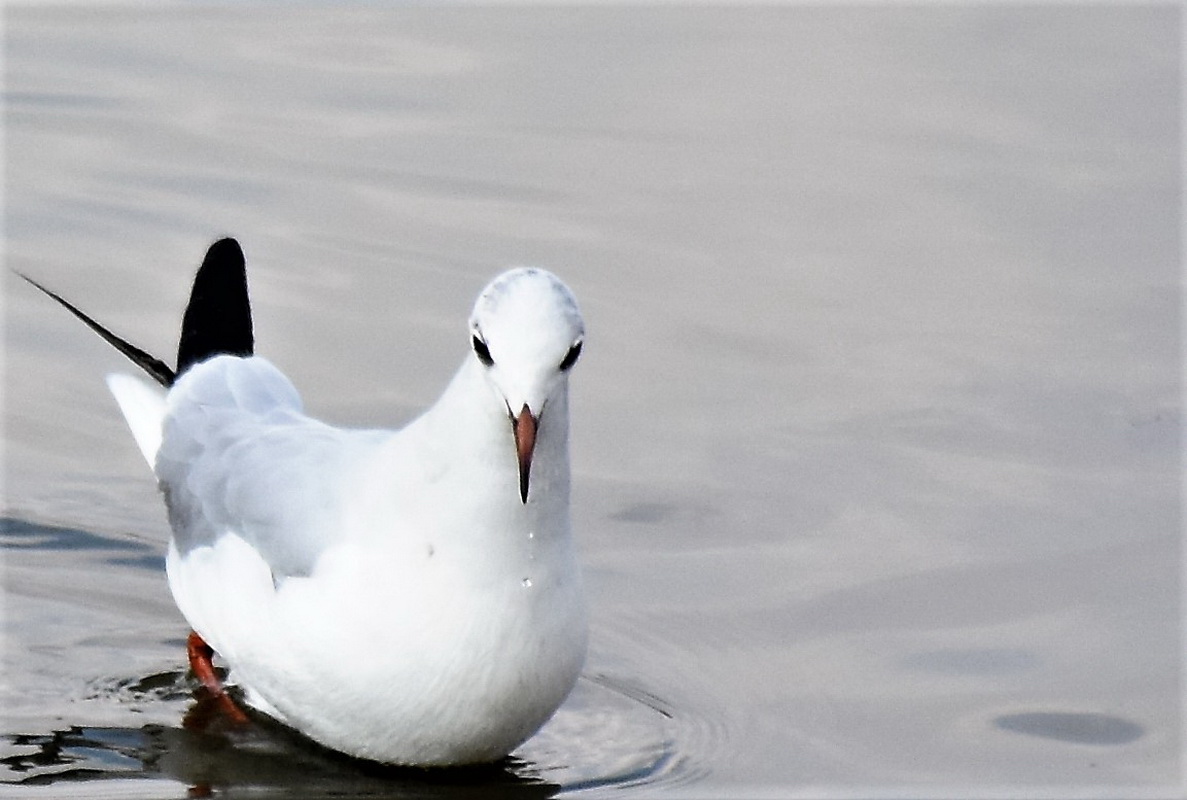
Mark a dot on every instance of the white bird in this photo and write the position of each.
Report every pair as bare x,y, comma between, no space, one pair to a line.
411,596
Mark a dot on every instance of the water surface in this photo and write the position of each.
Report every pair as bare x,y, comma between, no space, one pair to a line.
877,432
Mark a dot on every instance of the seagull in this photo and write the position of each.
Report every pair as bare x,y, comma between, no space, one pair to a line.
411,596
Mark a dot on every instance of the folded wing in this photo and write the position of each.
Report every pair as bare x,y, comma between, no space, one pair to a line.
238,455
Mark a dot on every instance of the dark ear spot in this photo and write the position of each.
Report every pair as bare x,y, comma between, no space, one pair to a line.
481,350
571,357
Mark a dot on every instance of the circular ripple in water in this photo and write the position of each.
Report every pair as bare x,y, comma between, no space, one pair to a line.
609,733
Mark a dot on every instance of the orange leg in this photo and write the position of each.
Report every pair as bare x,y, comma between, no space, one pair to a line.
200,655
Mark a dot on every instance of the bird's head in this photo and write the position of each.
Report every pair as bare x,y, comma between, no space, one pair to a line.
526,333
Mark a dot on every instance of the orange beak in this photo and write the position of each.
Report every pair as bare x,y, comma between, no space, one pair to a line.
525,443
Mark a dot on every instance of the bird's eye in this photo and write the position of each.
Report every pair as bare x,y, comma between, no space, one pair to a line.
570,357
481,350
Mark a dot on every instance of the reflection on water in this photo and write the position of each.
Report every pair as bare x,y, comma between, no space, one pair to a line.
254,761
19,534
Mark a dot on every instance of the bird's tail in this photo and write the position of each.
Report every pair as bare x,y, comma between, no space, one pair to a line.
217,321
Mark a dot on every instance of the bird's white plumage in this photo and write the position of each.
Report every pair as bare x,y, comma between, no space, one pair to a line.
388,593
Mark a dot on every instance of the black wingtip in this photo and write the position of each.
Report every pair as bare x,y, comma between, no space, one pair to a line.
218,318
156,368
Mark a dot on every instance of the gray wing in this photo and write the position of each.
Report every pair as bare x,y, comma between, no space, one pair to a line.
238,455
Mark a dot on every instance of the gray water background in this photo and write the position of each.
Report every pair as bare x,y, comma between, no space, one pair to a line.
876,434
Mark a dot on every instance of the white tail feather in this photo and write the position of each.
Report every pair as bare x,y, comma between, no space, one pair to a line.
144,408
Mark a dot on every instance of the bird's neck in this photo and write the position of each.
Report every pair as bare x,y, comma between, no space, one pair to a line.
472,416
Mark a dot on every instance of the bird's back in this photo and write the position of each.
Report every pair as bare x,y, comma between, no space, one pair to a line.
239,456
